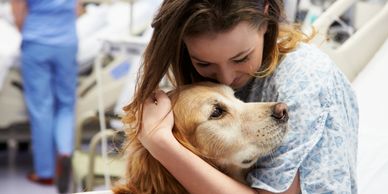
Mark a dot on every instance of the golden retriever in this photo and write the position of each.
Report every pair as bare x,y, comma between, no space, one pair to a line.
211,122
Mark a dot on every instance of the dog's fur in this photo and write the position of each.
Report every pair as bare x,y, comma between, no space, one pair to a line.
226,132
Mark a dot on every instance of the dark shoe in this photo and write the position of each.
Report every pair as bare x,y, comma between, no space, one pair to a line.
63,173
43,181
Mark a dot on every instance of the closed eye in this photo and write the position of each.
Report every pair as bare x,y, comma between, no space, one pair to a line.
242,60
217,112
203,64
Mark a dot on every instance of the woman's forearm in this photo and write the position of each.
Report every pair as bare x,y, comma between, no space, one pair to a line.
19,10
197,176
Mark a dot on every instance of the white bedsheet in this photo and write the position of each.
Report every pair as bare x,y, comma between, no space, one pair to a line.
372,93
9,47
111,20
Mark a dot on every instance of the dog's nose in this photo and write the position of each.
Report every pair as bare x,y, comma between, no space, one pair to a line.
279,112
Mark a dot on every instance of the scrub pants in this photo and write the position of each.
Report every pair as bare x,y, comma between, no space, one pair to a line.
49,78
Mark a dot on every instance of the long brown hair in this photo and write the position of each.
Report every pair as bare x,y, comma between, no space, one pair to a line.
166,52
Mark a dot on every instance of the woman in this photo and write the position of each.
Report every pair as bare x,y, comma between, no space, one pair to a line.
247,45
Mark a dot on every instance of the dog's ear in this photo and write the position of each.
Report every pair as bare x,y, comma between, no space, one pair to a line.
145,175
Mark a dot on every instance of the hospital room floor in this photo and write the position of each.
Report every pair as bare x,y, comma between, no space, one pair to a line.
14,165
13,173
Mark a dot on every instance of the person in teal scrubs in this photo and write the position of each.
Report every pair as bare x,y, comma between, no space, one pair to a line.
49,73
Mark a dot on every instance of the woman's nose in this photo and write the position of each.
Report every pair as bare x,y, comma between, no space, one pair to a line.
225,76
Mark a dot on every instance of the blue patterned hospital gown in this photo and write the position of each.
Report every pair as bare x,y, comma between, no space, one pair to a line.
323,111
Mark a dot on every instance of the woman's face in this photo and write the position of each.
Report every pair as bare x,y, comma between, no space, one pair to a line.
229,57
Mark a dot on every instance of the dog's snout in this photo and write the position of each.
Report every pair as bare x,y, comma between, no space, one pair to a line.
279,112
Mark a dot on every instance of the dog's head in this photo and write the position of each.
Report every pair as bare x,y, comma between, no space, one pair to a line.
224,129
228,133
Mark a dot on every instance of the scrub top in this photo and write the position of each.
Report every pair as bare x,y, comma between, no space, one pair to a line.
323,125
51,22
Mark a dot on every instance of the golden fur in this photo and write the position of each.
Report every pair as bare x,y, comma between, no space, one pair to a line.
226,132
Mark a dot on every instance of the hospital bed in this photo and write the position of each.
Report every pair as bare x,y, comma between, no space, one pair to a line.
363,58
117,22
89,166
12,109
372,94
357,51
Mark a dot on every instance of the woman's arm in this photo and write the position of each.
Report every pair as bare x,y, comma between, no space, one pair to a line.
19,10
196,175
192,172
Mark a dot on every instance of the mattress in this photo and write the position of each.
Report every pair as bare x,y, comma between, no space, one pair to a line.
372,94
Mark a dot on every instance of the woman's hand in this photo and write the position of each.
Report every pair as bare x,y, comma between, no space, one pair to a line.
157,122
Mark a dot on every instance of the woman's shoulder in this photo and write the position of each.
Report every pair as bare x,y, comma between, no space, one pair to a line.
306,70
307,62
308,57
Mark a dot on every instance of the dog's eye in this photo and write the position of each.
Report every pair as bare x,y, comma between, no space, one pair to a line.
217,112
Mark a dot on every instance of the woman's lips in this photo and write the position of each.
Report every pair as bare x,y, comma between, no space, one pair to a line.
237,82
